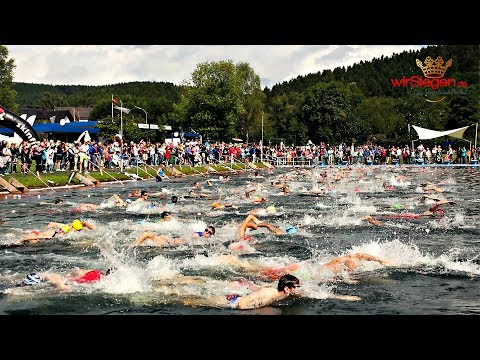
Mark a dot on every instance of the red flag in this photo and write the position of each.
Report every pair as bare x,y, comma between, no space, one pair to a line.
114,101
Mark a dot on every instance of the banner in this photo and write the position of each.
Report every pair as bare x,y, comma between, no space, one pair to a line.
18,125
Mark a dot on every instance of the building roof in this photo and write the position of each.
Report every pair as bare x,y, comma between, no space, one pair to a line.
80,113
59,113
44,114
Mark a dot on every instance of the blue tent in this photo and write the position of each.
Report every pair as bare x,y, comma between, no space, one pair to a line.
191,135
76,127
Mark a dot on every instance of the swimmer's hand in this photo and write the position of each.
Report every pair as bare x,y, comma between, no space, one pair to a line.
384,262
346,297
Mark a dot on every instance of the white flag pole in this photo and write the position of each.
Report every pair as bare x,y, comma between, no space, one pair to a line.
112,108
121,119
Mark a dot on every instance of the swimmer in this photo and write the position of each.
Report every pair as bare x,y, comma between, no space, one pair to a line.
316,192
193,194
252,222
209,231
217,205
157,239
78,276
435,208
288,286
36,236
114,200
264,211
76,225
134,193
372,220
348,263
84,207
257,199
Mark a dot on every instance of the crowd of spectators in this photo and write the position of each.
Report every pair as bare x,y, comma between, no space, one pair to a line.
50,155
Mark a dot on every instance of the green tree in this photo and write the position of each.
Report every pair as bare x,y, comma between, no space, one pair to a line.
252,100
328,111
380,122
7,93
284,112
221,100
50,101
464,109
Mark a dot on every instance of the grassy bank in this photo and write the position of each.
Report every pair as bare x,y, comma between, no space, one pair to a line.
33,180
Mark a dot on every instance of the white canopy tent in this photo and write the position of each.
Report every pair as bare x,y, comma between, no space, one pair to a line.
424,134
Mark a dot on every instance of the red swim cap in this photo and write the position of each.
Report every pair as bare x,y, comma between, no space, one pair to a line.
248,238
90,276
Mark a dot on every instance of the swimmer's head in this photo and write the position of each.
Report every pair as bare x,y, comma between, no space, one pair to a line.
65,228
248,238
128,201
77,224
271,209
288,281
290,229
215,205
211,228
166,215
32,279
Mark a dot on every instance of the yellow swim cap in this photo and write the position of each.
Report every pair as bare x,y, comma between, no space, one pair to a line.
77,224
65,228
215,205
271,209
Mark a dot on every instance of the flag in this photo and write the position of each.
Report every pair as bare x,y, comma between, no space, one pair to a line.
115,101
122,109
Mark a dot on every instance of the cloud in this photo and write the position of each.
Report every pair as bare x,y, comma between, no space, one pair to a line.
112,64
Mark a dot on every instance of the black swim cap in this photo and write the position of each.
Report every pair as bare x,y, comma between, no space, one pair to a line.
165,213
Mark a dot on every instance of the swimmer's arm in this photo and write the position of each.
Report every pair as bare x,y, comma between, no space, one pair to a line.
54,224
28,238
368,257
253,218
274,229
345,297
56,280
88,225
143,237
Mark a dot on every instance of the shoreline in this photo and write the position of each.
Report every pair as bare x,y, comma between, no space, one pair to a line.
4,193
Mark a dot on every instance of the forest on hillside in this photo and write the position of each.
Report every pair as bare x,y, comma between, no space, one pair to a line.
355,104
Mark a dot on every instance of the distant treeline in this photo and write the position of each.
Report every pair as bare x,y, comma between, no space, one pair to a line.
354,104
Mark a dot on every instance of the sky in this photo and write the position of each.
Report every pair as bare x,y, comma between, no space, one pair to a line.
113,64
